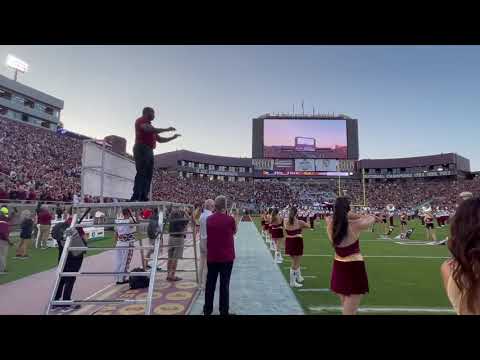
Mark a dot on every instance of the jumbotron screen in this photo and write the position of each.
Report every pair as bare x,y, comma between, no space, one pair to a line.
304,139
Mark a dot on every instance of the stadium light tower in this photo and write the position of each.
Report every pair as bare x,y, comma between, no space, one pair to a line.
17,65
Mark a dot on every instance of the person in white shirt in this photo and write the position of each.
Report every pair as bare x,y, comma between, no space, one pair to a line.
125,237
207,211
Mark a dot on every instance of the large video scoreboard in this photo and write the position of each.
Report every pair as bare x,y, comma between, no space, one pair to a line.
304,145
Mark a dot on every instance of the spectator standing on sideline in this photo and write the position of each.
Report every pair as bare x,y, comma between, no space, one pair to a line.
26,230
176,241
73,263
44,222
4,238
146,137
124,238
207,211
221,229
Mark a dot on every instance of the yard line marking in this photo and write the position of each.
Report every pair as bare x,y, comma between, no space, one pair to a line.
315,290
386,309
309,276
388,256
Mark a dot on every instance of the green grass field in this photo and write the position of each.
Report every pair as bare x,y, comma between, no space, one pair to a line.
41,260
403,279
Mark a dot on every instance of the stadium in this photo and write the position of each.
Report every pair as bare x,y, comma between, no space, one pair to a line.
300,160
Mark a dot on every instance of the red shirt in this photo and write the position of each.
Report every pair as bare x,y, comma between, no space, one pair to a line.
220,231
21,195
147,213
32,195
44,218
143,137
3,195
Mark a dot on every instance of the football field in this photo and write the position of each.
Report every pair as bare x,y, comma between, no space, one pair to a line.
403,278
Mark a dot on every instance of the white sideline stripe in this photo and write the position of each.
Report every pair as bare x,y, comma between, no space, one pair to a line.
386,309
309,276
99,291
388,256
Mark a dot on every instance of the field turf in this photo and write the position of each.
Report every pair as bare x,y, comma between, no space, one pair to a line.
41,260
403,279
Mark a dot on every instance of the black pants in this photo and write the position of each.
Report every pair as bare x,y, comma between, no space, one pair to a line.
143,155
213,269
65,287
312,222
391,221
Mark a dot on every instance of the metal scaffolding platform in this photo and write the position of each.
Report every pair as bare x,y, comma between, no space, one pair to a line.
162,208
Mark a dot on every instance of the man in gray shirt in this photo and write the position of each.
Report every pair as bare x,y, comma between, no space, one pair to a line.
207,211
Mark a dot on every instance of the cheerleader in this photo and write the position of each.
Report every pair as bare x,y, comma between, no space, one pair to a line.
428,217
446,219
294,245
277,235
125,238
263,218
403,223
267,227
349,276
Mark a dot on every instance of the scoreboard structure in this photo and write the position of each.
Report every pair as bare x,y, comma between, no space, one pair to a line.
304,145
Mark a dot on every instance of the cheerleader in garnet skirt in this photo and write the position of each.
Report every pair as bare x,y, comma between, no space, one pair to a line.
277,235
264,214
294,245
267,227
349,275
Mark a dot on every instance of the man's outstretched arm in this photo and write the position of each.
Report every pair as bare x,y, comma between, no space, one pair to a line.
167,139
149,128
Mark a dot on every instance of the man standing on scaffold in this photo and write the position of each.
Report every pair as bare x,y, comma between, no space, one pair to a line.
146,137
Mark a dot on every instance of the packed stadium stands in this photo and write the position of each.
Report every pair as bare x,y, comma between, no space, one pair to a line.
38,164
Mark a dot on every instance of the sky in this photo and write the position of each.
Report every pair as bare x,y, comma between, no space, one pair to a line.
327,134
409,100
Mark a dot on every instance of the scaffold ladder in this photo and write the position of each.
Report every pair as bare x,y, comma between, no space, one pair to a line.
161,208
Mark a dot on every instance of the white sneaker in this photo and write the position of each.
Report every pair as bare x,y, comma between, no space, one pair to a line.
293,283
278,258
299,277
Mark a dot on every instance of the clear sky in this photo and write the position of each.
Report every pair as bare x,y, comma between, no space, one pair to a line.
409,100
327,134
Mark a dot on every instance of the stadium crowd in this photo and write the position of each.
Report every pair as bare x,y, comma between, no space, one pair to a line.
37,164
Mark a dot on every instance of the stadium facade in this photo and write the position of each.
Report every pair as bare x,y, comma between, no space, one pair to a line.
198,165
212,167
22,103
431,166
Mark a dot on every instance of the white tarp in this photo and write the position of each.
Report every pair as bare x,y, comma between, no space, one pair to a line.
119,173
